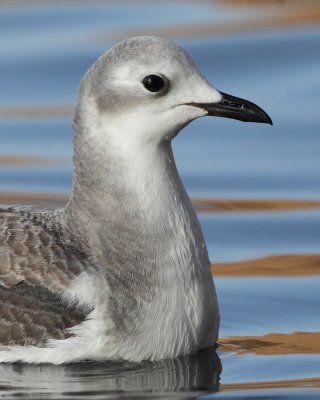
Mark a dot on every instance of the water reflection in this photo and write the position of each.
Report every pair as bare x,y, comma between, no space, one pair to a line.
274,343
273,265
248,16
197,372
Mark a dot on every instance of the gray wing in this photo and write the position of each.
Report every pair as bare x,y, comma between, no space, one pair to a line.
31,315
36,267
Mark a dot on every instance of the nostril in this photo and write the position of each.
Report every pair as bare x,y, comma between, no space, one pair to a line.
233,104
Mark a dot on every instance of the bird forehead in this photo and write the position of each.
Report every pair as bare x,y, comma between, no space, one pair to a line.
133,70
147,46
148,52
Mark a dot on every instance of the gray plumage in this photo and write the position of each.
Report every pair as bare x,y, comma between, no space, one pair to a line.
123,270
37,263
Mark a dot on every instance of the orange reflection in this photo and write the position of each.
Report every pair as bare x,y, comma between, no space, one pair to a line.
273,343
282,265
51,200
272,15
252,205
13,160
36,111
290,383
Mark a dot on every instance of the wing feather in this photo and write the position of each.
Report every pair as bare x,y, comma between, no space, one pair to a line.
31,315
36,267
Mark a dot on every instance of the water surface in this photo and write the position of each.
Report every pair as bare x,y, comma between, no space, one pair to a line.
260,184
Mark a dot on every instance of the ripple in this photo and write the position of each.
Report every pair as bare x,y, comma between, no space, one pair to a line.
276,265
273,343
197,372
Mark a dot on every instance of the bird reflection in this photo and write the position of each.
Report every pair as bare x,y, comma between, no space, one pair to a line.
196,372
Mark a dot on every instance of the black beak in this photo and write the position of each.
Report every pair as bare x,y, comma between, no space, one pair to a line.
236,108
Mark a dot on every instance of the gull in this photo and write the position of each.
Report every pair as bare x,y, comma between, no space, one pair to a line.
122,271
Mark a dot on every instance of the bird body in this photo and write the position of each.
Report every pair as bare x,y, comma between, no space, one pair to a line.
122,272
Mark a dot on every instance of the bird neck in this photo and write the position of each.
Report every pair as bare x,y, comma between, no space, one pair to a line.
125,188
130,209
133,183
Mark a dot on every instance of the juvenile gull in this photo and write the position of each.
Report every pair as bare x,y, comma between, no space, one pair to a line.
123,270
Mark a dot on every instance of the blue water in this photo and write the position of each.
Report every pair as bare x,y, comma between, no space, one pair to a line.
241,236
44,51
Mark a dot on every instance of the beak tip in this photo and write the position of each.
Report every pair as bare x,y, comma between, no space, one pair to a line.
268,120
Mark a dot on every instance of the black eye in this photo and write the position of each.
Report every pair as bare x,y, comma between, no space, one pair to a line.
153,83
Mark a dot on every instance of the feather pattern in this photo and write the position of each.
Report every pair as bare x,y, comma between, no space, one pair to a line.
36,267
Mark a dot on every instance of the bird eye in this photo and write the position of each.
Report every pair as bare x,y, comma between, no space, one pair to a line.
153,83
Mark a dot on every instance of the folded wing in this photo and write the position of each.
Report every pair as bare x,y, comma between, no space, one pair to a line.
36,269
